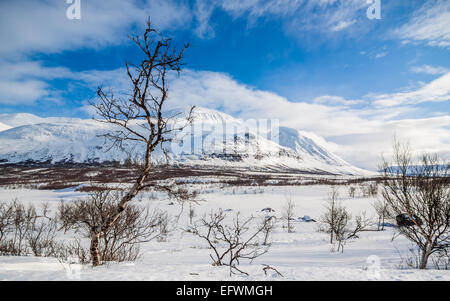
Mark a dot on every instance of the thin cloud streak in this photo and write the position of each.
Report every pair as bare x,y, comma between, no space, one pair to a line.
430,25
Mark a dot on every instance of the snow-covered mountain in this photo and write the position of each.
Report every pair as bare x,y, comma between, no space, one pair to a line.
4,127
215,139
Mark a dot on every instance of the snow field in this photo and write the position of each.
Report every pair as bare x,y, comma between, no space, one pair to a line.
303,255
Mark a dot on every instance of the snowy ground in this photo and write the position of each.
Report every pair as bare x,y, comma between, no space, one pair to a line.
303,255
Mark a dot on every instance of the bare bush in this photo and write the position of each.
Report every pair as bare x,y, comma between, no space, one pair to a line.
288,215
268,224
42,236
267,268
352,191
6,217
441,258
26,230
23,219
165,225
72,252
369,190
339,224
361,223
421,192
120,241
381,208
233,242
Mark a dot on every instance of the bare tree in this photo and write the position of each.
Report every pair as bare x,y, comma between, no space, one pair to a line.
332,214
191,213
381,208
140,116
288,215
341,227
230,243
268,224
421,191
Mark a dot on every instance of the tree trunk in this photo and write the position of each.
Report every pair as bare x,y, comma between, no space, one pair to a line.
95,253
424,259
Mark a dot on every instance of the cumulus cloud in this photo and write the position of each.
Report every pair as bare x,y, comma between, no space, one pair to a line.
24,92
430,24
41,26
28,28
27,81
359,135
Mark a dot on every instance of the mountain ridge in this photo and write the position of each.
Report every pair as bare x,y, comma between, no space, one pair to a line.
56,140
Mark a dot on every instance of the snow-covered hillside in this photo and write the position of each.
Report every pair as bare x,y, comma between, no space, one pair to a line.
214,139
4,127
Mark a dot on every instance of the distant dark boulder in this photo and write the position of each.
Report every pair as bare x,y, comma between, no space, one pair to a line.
403,220
268,209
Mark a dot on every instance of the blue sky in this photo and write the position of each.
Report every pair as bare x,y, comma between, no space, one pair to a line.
320,65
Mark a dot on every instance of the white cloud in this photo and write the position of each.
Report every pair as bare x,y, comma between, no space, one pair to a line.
220,91
28,81
429,24
42,26
298,16
335,100
425,135
357,135
203,11
438,70
437,90
342,25
25,82
30,27
380,55
24,92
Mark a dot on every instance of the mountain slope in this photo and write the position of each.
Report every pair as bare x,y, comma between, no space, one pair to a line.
4,127
215,139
